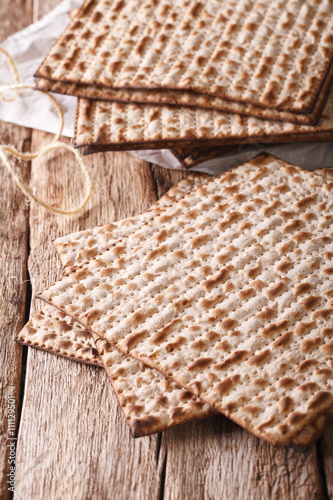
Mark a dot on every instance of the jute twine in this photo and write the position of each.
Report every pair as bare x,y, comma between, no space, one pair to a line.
54,144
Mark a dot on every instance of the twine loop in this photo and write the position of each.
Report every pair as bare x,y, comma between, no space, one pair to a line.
53,145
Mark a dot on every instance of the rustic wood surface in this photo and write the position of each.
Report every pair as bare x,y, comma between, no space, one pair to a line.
14,231
73,442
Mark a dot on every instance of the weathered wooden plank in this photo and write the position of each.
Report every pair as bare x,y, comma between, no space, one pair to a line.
73,441
15,15
13,287
326,449
218,459
14,213
42,7
165,178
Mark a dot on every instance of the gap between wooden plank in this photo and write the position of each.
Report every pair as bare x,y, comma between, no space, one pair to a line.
325,455
321,468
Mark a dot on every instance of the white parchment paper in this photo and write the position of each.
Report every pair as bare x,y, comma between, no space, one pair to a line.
32,109
28,49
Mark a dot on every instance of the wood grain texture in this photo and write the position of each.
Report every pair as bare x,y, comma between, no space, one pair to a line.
73,440
13,253
218,459
165,179
15,15
326,450
13,288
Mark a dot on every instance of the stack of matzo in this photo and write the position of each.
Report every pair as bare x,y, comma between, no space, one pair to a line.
218,299
160,73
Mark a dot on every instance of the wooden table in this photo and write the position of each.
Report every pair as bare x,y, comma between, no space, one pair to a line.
72,440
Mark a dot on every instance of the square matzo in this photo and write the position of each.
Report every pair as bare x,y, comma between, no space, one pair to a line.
191,99
141,389
273,54
229,292
114,126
